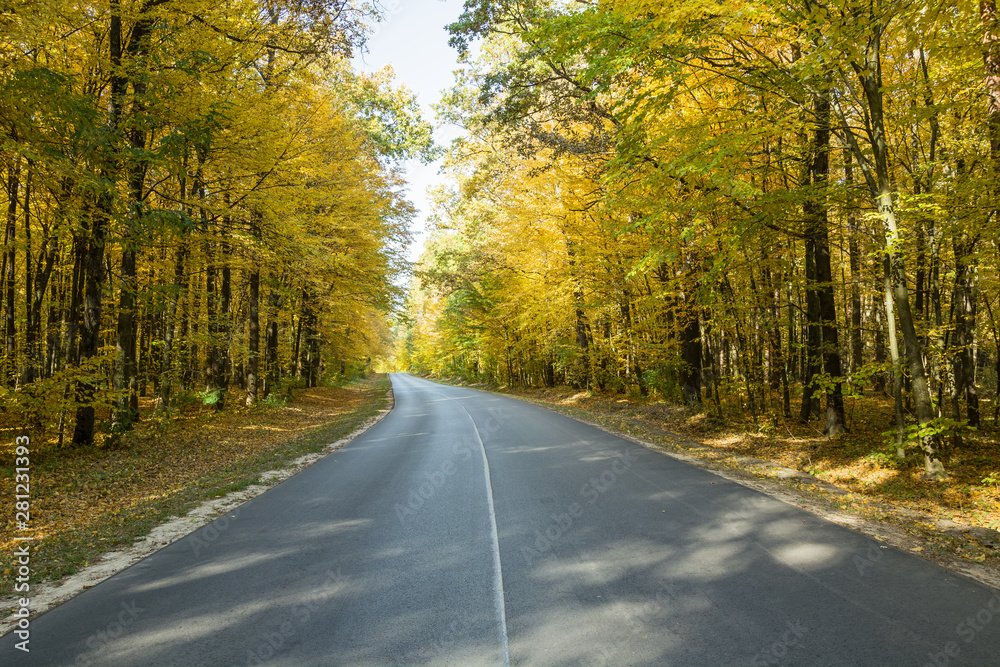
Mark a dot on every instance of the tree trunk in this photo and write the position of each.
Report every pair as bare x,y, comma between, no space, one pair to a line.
963,304
90,326
72,314
9,275
271,345
150,325
214,358
582,326
854,254
100,220
167,362
296,365
123,415
582,341
253,336
995,328
30,351
779,361
914,350
813,339
878,380
822,308
691,353
869,73
34,361
126,407
57,292
224,318
991,61
690,337
309,348
897,364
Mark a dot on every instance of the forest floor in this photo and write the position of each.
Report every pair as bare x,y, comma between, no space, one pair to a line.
854,479
88,502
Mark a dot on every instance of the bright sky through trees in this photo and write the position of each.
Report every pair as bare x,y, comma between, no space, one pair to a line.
413,39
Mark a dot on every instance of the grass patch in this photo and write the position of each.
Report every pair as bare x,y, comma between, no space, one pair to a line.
88,501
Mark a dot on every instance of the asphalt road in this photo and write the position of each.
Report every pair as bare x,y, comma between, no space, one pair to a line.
473,529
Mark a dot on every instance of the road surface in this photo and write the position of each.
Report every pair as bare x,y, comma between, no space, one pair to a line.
473,529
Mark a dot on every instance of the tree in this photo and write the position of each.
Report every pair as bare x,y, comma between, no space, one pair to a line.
155,206
711,156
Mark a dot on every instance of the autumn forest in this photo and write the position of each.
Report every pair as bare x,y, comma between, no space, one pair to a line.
200,198
768,205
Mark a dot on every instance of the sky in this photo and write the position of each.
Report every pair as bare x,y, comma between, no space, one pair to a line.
413,39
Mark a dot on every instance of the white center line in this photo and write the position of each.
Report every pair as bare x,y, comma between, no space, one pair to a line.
494,536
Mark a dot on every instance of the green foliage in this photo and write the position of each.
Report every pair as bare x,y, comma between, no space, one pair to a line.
392,118
211,396
275,400
939,428
883,459
664,380
865,377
